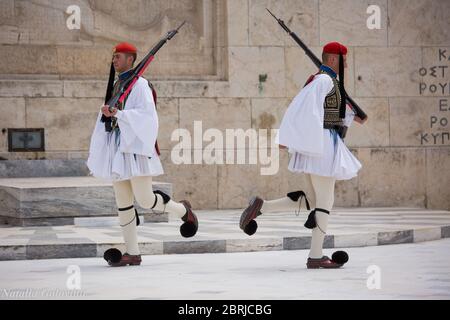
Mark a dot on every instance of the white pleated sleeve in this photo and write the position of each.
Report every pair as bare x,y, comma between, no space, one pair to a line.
138,122
301,129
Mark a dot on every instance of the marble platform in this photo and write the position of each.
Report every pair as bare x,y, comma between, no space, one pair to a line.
219,232
59,200
43,168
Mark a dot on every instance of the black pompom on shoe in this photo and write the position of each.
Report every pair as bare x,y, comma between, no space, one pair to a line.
340,257
188,229
251,227
190,226
112,256
247,221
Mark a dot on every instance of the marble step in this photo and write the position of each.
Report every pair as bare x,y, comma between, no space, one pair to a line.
43,168
59,200
218,232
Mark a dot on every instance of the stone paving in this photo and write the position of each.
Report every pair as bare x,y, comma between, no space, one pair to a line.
219,232
406,271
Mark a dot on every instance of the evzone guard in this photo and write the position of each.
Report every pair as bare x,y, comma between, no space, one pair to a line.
312,130
124,150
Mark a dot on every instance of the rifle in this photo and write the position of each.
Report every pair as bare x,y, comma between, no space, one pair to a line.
128,83
359,112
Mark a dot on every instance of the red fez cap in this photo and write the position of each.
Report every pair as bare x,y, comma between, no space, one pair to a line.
125,47
335,47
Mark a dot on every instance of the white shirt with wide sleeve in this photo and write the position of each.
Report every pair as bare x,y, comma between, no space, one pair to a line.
130,152
314,149
138,122
301,129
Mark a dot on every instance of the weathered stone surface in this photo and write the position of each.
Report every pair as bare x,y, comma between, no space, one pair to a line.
13,252
40,155
346,192
184,89
46,251
194,182
298,243
355,240
345,21
168,116
238,183
191,55
31,88
84,61
86,50
10,35
419,23
28,59
374,132
217,113
438,178
392,177
391,72
256,71
238,245
395,237
211,246
299,15
7,11
45,22
238,19
298,68
78,155
445,232
43,168
85,89
267,113
427,234
151,248
435,72
35,201
419,122
68,122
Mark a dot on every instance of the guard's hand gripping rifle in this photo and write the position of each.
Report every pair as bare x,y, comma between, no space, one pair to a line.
359,112
128,84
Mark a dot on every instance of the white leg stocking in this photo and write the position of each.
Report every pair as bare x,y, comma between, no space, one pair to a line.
142,189
127,217
324,190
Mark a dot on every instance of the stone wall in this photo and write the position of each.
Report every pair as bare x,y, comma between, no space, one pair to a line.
232,66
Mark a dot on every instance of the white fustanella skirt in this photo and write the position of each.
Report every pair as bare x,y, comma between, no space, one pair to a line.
107,162
336,161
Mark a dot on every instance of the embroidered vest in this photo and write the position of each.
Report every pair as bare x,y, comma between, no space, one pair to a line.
331,106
